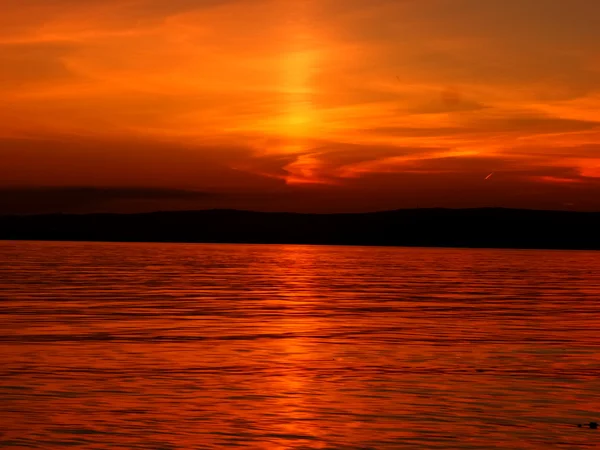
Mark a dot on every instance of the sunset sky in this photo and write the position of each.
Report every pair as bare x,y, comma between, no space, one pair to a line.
298,105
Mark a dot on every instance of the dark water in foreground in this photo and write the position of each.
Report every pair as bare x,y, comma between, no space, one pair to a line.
160,346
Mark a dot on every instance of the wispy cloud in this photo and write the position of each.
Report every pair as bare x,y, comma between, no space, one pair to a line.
308,96
93,198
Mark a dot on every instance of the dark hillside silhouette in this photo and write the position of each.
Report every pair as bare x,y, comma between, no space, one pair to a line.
486,227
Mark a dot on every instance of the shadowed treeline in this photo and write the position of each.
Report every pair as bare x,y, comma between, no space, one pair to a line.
487,227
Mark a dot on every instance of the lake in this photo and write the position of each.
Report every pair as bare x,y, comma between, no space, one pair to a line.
193,346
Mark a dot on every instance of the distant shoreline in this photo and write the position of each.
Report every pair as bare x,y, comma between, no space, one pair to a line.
436,227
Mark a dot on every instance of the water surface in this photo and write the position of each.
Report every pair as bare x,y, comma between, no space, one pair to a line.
176,346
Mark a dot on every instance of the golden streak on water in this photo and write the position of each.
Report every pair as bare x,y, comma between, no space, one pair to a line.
110,346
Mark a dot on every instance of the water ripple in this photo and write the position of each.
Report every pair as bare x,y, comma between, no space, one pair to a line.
174,346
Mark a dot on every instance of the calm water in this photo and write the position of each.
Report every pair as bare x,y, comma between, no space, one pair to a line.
170,346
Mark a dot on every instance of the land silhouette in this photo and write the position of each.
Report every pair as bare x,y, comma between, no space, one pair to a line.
474,228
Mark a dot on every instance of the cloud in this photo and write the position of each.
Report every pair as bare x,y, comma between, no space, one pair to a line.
94,198
75,160
95,193
34,63
326,96
532,124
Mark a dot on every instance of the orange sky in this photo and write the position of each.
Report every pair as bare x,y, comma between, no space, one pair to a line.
300,105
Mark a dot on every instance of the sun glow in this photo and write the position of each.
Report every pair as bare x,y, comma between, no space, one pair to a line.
297,124
299,114
302,96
